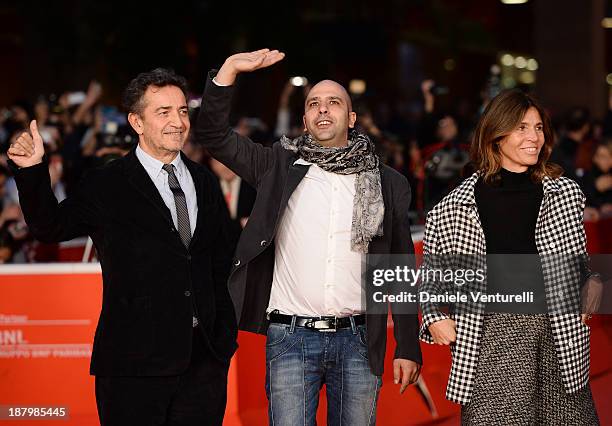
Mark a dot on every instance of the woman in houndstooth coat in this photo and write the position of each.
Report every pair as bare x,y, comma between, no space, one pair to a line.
512,365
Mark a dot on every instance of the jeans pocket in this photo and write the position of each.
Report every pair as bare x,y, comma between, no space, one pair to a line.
276,334
281,343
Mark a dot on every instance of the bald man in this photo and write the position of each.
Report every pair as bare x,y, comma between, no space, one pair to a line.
297,269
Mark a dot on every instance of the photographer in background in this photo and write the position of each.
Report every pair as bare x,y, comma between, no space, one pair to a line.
443,153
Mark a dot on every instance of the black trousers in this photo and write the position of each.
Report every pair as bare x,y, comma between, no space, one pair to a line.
196,397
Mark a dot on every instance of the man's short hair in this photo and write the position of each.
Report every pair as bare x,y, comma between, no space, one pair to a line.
133,96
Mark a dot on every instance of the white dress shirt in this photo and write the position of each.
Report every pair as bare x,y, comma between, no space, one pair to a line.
160,178
315,271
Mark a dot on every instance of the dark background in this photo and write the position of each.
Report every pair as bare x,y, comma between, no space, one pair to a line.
54,46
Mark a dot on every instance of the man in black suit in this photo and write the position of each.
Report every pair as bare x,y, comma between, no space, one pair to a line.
167,327
323,201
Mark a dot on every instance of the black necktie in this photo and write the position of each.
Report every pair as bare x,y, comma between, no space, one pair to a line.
182,215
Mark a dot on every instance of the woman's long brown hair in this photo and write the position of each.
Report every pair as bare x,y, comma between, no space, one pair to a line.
501,116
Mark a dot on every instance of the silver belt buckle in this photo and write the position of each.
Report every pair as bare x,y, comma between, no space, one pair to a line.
327,329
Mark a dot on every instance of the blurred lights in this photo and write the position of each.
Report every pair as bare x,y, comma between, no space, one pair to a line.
299,81
532,64
514,1
449,64
507,60
514,70
520,62
606,22
609,79
195,103
357,86
527,77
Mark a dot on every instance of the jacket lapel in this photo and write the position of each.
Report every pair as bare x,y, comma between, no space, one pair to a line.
138,177
464,196
465,205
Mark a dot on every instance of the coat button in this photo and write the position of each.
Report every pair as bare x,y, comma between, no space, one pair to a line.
263,243
237,262
187,293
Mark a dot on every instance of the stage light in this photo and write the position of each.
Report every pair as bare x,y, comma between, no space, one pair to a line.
514,1
606,23
609,79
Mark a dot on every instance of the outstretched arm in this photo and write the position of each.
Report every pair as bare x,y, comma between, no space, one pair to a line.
247,159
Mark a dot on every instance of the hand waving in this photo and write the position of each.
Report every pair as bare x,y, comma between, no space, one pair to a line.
246,62
28,148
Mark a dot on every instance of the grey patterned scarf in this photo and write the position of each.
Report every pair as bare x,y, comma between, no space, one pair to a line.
358,157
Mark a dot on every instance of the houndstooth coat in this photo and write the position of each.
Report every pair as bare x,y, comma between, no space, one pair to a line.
453,228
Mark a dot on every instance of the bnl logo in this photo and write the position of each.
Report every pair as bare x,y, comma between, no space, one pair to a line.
12,337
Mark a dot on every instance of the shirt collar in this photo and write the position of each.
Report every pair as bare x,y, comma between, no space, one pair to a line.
302,162
153,166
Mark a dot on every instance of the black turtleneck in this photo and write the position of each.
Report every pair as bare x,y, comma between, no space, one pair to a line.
508,211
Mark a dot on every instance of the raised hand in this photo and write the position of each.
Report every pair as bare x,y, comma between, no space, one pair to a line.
94,91
246,62
28,149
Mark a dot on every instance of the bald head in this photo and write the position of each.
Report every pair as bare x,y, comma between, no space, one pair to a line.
328,114
330,86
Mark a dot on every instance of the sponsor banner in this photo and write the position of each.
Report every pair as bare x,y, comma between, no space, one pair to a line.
48,315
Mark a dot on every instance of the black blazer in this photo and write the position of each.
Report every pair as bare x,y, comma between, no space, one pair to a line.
272,172
151,282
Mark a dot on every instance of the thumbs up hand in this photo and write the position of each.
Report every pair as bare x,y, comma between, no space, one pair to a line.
28,149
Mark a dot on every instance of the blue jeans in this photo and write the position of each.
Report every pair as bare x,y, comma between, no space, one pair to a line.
299,361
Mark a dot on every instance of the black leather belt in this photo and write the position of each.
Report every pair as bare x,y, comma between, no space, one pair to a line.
326,323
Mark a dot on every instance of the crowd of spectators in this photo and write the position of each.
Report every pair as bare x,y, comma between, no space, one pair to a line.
426,143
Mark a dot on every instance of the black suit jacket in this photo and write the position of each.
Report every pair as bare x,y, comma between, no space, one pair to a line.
275,176
152,283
